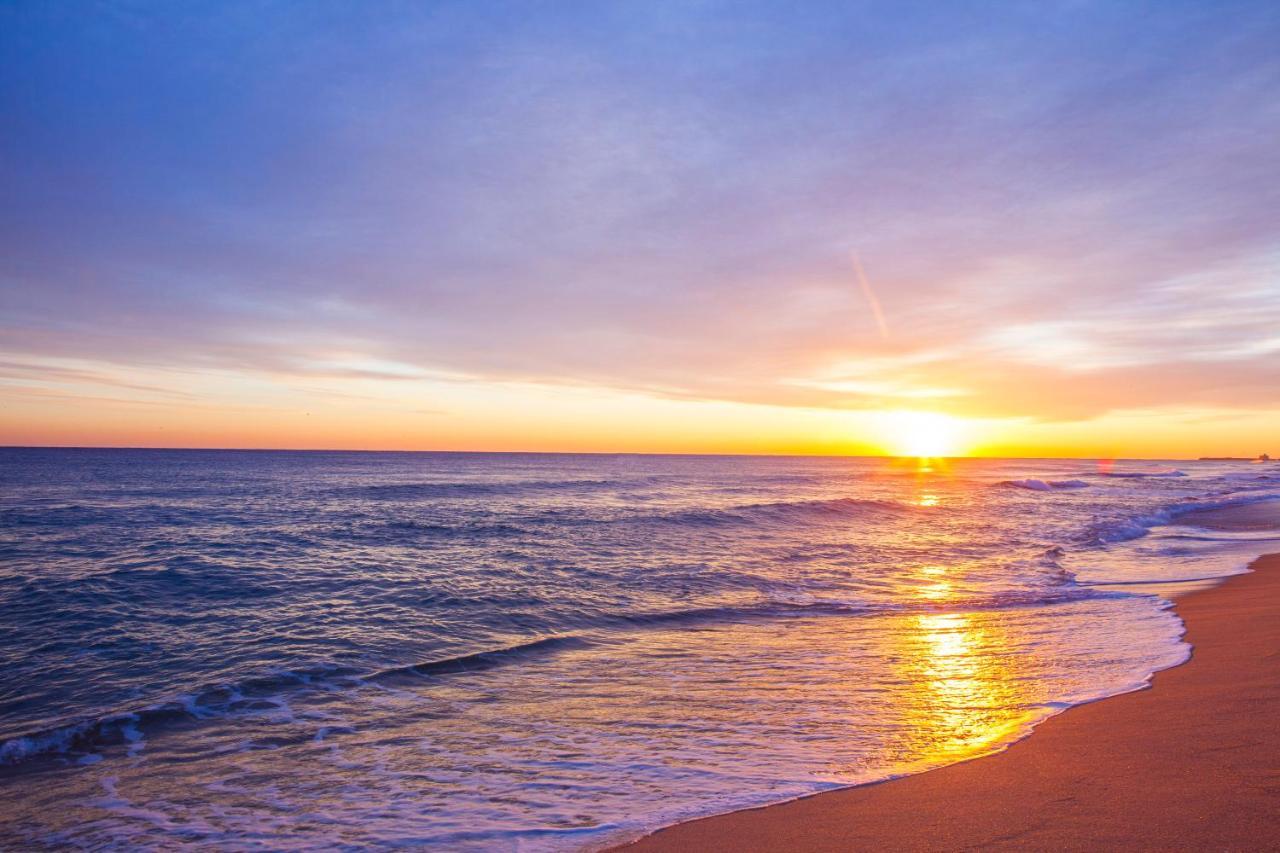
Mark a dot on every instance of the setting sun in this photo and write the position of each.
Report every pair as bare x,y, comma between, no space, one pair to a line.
922,434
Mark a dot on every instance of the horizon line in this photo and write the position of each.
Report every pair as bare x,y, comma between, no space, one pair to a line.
1254,458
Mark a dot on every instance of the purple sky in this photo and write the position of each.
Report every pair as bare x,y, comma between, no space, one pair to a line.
1064,209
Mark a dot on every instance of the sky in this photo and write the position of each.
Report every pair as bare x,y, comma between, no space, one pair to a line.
1052,228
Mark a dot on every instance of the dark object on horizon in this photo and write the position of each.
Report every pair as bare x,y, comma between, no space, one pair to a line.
1261,458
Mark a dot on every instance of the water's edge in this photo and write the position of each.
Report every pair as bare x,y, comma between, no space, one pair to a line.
626,839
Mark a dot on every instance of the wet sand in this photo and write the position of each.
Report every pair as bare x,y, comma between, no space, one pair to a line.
1193,763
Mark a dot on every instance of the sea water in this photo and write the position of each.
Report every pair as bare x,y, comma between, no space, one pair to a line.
526,651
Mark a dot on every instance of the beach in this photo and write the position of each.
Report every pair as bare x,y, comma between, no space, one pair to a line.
1192,763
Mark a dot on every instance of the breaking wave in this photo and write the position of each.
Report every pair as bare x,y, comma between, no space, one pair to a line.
255,695
1044,485
1123,529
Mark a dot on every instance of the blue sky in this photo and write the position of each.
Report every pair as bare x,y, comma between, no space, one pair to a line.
1064,209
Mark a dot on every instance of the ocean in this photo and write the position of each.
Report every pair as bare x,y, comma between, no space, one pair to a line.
537,651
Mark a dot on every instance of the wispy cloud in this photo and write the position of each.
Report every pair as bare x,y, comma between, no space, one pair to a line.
1066,209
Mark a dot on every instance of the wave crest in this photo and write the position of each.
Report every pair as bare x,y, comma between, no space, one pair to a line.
791,512
255,695
1036,485
466,489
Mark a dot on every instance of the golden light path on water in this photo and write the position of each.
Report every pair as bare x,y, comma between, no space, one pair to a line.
968,691
959,693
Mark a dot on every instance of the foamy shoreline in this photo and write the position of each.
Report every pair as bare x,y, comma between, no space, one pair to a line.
983,802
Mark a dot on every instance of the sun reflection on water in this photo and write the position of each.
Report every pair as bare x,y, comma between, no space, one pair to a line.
963,695
938,591
960,692
932,584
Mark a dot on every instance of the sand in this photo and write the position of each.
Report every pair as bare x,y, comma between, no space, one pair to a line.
1193,763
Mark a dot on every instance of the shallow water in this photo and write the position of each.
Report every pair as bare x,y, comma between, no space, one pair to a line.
548,651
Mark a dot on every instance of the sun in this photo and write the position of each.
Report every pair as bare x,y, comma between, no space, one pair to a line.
928,435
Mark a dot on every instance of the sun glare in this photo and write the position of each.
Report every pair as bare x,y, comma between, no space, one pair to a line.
927,435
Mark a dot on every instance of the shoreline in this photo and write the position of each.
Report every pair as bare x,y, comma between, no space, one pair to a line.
1192,761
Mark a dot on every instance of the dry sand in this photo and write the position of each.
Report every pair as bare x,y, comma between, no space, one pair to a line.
1191,764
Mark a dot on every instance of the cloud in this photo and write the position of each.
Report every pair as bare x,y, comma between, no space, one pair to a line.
1062,210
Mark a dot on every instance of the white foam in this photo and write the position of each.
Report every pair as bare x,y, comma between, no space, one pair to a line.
1047,485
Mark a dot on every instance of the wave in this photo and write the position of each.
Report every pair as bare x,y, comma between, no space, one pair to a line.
399,529
57,516
1138,475
1251,476
788,511
250,695
1235,536
1122,530
1158,581
779,606
254,695
480,661
1044,485
420,491
1193,505
1060,588
750,514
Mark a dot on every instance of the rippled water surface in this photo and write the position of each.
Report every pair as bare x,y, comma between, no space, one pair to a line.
546,651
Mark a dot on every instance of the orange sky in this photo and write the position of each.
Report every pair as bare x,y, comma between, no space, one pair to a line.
167,408
662,227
